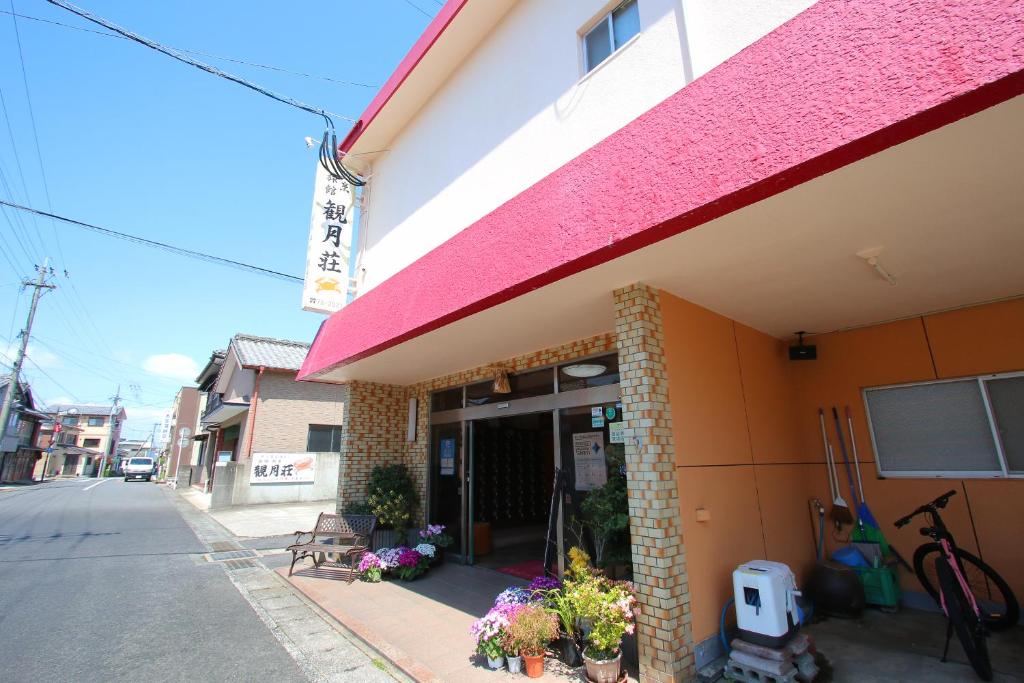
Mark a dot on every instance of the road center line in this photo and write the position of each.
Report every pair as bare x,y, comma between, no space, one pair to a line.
92,486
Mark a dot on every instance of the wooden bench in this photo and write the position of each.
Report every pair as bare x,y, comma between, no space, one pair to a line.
349,537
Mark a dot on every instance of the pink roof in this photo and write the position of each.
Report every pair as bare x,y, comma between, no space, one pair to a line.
841,81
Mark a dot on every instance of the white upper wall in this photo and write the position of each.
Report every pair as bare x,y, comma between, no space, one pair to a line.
520,106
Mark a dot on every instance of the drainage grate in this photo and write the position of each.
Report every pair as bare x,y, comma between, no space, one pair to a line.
224,545
233,565
232,555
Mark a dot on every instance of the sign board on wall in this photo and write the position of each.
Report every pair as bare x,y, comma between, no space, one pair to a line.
330,244
282,468
588,458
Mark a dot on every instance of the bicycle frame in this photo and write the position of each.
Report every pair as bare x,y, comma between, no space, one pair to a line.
941,535
954,564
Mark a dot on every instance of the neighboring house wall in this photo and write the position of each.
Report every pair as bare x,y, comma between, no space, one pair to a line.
509,116
749,449
285,409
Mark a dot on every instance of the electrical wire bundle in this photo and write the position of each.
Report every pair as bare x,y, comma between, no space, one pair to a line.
329,157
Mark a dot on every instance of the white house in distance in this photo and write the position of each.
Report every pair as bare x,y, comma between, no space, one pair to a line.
630,208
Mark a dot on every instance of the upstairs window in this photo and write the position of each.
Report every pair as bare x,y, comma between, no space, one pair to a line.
610,33
95,421
90,443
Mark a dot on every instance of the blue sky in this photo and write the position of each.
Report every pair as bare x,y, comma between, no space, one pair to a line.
134,141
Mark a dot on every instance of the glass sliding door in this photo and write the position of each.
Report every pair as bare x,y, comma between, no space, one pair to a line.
596,510
446,475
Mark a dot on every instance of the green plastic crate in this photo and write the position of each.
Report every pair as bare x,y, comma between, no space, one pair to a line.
880,585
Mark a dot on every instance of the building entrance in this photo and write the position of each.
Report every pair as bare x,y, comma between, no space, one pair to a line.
494,458
513,466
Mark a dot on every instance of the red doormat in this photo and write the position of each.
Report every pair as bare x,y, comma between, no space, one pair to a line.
528,570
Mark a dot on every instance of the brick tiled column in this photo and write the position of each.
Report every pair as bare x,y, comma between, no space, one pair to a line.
664,634
373,433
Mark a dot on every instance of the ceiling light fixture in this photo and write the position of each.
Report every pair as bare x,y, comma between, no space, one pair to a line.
871,257
584,370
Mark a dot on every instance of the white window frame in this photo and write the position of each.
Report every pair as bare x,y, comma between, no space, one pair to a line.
982,380
606,19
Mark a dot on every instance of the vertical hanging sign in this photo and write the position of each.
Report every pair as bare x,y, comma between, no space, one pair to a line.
330,244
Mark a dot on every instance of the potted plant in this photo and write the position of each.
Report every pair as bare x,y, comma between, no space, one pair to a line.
370,568
411,564
391,496
435,535
530,630
491,632
614,618
562,605
512,656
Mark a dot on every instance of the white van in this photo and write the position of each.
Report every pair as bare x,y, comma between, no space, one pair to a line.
139,468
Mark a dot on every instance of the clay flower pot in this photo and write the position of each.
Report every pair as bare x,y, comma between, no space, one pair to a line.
534,665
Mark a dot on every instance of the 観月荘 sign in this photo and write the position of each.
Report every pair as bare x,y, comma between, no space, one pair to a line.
325,289
282,468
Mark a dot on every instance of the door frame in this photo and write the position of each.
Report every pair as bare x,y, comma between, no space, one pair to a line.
548,403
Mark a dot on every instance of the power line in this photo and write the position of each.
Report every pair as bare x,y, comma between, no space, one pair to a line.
178,55
181,251
17,163
200,53
35,132
419,9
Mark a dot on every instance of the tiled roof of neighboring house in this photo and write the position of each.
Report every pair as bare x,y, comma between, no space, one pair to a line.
279,354
82,408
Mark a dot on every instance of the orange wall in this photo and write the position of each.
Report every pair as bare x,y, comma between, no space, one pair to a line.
748,442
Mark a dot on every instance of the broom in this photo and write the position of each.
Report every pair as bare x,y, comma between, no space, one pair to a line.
840,510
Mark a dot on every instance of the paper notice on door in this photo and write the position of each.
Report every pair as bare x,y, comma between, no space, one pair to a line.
447,457
616,432
588,457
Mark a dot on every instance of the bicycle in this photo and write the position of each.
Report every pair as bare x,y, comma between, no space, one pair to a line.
973,596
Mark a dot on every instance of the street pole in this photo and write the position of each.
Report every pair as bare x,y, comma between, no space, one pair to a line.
114,412
40,284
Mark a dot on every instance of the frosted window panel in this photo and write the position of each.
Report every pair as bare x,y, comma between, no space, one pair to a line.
1007,397
941,427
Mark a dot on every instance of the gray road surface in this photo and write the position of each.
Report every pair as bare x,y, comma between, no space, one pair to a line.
102,584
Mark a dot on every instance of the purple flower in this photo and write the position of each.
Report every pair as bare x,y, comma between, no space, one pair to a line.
512,595
544,583
370,561
389,557
408,557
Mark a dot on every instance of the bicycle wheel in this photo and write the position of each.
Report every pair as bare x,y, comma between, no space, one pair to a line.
967,624
998,606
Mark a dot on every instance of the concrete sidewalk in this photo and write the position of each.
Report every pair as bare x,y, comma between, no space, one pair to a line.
258,521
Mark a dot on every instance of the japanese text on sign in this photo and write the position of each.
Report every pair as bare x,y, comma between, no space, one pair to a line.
278,468
329,249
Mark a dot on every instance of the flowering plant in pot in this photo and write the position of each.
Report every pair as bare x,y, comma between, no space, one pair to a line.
411,564
490,632
613,619
530,630
435,535
370,568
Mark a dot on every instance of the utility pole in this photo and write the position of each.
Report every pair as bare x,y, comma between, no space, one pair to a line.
115,410
40,284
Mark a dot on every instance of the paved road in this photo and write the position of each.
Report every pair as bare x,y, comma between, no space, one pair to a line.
100,583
